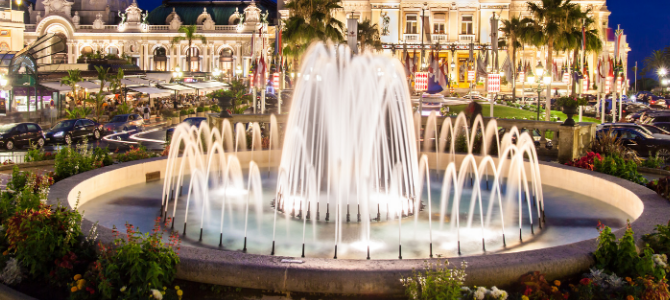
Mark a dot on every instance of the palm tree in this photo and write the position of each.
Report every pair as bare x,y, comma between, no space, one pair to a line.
368,35
189,32
513,29
657,60
310,20
72,79
571,36
103,76
546,27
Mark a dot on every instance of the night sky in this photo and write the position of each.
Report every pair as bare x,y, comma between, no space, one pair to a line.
645,22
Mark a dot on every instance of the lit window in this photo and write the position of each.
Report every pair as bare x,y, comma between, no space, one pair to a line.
439,21
466,25
411,24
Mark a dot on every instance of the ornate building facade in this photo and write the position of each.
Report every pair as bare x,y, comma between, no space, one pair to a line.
455,23
119,27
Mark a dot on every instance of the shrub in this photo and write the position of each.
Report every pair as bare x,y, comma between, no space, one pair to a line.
167,113
659,240
535,286
25,190
37,154
617,166
138,263
40,236
608,144
435,282
183,112
200,109
654,162
215,108
585,162
72,161
135,153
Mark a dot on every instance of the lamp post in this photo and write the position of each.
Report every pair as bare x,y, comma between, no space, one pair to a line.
539,69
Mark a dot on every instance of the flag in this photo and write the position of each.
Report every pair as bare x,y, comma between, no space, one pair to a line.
508,69
413,65
617,42
583,39
435,66
443,76
481,67
278,41
352,34
406,64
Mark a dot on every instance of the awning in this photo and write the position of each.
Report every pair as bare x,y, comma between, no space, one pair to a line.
129,83
179,88
56,86
139,80
206,86
92,87
152,91
159,77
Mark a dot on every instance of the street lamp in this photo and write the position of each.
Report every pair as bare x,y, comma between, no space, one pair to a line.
539,70
238,71
661,73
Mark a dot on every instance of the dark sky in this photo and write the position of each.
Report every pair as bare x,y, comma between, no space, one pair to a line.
645,22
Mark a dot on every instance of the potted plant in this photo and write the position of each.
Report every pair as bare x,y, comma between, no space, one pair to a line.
200,111
167,115
191,113
183,114
570,104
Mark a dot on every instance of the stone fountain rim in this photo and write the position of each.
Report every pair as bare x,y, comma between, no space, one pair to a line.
379,277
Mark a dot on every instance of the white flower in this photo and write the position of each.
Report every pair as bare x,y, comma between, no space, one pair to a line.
480,293
157,294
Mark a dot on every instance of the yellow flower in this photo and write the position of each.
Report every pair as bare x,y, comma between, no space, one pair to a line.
73,289
557,283
524,297
629,297
77,277
176,287
554,289
165,288
180,293
81,281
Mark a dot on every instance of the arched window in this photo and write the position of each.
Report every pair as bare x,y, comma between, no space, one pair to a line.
226,61
194,63
59,54
160,59
86,50
113,50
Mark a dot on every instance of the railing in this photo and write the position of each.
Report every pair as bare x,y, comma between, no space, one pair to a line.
562,142
466,38
113,27
411,38
30,27
85,27
225,27
440,37
13,157
159,27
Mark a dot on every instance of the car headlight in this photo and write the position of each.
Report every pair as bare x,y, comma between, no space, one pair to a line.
59,134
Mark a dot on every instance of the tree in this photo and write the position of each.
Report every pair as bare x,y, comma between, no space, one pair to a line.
513,29
72,79
189,32
546,27
368,35
571,37
310,20
103,76
238,93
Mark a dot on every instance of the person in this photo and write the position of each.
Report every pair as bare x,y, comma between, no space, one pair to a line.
147,113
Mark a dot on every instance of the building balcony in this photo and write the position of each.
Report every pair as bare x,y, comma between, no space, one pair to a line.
412,38
466,38
439,37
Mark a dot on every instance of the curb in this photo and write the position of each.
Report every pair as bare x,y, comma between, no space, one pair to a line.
29,165
7,293
654,171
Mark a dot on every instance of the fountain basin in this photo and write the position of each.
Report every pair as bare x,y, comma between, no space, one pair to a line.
344,276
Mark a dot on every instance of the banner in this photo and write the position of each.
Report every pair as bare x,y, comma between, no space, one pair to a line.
352,34
275,81
471,75
421,81
494,83
3,106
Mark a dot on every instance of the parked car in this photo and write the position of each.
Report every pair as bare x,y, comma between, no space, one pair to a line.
16,135
638,140
190,121
125,122
662,125
633,107
76,129
634,126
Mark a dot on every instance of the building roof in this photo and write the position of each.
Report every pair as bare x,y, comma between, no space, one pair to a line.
220,10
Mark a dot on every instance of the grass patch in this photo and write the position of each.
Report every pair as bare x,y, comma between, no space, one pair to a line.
506,112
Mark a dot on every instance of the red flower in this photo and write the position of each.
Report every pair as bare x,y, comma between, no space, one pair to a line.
585,281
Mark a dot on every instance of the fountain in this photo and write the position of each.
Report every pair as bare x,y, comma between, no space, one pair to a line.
350,169
355,191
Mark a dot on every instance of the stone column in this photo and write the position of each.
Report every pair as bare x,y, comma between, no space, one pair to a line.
71,58
574,141
238,55
212,65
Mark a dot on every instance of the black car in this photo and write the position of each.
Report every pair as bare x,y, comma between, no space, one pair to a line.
662,125
69,130
190,121
20,134
640,141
